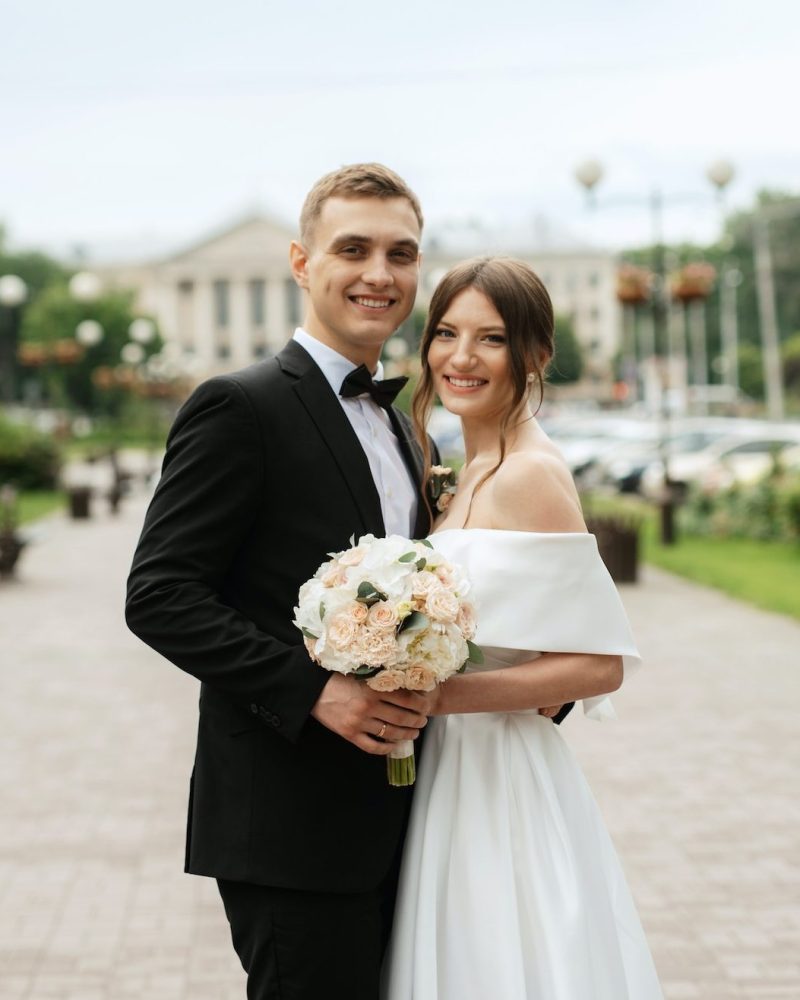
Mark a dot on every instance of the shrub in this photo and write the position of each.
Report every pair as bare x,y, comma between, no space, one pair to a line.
766,510
29,460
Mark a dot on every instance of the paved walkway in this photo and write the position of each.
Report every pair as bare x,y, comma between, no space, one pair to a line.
698,781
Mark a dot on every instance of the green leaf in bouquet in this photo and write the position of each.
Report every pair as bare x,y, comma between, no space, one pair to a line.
414,622
422,562
475,653
407,557
366,671
436,488
368,593
424,541
307,634
321,610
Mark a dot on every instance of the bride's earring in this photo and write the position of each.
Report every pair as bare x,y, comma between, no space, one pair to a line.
531,377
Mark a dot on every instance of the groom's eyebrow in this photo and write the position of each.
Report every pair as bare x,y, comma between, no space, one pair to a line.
358,238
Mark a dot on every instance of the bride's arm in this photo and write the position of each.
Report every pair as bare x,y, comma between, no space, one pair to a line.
533,491
551,679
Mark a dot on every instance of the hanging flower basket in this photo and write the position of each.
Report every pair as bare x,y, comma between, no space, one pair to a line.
634,284
694,282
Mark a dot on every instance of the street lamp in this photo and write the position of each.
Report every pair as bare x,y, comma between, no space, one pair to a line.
589,174
142,330
720,174
89,333
13,293
85,286
132,353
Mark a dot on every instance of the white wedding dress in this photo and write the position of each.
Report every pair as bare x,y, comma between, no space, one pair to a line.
510,887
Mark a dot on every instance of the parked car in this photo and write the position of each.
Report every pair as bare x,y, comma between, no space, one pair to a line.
623,466
742,457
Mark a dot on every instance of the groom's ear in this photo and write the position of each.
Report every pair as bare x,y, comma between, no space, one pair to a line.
298,261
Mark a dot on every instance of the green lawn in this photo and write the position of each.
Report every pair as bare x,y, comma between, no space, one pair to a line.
766,574
34,504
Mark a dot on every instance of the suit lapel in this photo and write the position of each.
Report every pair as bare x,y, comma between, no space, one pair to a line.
412,455
316,395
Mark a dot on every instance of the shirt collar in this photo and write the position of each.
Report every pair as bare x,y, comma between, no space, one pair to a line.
333,365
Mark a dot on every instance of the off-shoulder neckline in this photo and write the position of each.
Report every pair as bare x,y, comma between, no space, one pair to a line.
514,531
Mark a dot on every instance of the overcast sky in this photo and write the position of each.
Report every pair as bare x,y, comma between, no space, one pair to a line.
126,126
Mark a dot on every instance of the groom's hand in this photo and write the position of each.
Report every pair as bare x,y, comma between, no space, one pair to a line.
372,720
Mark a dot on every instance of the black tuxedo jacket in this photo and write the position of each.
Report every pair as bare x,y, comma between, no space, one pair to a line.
263,477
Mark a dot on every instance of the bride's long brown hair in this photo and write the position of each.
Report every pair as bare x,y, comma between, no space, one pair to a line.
522,301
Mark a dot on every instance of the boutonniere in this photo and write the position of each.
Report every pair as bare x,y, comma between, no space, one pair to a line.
442,486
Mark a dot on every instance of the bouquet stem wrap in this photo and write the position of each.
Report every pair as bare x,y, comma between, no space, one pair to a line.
400,767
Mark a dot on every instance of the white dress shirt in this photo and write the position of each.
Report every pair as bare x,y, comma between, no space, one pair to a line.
373,429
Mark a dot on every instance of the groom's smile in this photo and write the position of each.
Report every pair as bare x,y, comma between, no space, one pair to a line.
360,268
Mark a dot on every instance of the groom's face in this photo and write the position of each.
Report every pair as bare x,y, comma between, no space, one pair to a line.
360,268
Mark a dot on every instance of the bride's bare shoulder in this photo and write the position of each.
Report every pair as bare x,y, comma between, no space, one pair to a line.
533,491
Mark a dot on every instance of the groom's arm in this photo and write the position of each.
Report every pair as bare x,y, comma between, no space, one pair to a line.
213,480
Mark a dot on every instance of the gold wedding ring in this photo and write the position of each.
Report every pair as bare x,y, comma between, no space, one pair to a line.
383,730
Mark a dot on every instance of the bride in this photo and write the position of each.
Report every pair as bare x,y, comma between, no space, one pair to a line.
510,886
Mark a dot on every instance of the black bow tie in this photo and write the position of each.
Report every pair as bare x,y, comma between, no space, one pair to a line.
359,382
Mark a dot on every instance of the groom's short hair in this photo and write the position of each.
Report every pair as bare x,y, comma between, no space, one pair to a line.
358,180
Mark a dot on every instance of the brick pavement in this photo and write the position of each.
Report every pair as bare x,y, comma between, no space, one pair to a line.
697,780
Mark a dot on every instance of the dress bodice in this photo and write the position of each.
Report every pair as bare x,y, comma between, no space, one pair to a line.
540,592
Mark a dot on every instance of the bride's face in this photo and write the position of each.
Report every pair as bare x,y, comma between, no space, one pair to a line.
469,358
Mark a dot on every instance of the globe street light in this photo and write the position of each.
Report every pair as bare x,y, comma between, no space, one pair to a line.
720,174
89,333
132,354
85,287
13,293
142,330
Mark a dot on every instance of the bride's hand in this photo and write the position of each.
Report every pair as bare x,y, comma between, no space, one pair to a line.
550,711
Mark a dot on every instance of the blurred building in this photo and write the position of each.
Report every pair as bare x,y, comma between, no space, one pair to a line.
230,299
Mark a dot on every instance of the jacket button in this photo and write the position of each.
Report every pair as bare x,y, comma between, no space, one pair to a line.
275,721
254,709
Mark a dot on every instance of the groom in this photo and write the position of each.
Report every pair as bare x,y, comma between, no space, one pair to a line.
267,470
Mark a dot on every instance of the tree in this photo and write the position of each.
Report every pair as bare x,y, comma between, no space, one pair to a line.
567,363
36,269
54,317
751,371
791,364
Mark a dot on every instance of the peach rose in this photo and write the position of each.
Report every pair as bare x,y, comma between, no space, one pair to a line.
334,577
382,616
424,583
386,680
356,611
445,575
352,557
420,678
442,606
444,501
466,620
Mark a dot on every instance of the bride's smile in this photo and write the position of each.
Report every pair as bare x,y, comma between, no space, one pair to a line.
469,358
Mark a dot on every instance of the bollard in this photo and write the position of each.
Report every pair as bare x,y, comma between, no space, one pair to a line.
79,502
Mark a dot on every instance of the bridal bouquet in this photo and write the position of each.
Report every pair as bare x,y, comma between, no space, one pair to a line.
393,612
